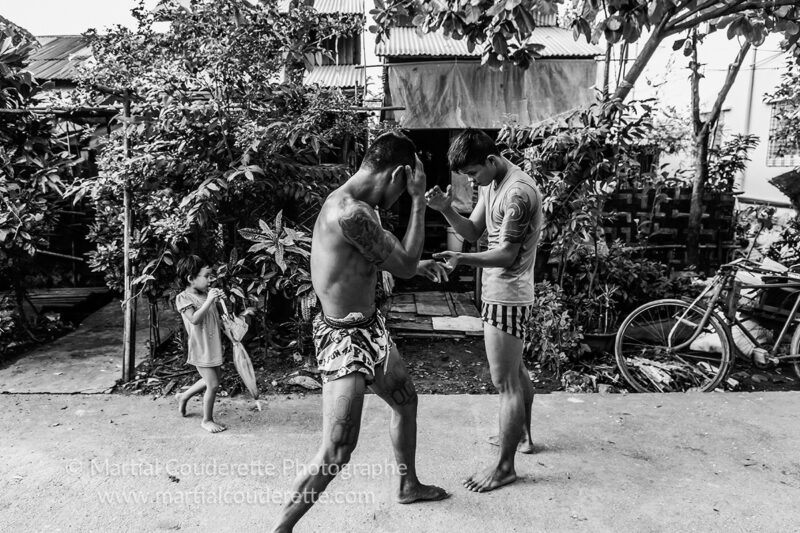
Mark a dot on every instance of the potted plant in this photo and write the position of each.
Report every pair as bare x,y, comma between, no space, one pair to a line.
602,287
600,319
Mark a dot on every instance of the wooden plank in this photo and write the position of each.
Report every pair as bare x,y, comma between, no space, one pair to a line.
403,298
464,305
432,304
457,324
403,308
428,335
450,304
401,317
412,326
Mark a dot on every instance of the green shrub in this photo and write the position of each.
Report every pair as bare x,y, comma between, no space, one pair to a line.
554,338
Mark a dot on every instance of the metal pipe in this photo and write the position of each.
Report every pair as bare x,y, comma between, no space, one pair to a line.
789,320
748,116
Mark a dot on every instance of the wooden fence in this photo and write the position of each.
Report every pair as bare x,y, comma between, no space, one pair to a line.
657,221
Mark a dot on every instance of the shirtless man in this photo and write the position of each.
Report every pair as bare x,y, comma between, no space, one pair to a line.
509,206
353,347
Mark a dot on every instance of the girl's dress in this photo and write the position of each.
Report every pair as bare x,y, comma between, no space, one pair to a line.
205,344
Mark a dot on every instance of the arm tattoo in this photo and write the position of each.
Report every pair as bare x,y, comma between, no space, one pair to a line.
367,235
517,218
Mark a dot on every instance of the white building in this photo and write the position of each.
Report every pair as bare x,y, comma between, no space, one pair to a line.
745,111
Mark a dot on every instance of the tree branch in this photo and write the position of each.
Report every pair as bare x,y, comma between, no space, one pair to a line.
733,71
697,124
690,12
644,56
726,10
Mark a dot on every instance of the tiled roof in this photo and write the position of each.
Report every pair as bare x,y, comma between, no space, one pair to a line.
406,42
330,6
335,76
59,57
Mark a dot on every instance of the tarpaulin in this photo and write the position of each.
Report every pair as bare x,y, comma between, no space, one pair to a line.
457,95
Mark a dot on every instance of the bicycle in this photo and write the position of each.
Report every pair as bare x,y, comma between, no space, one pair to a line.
673,345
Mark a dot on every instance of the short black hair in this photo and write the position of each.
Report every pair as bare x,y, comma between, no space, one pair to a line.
388,151
190,267
471,147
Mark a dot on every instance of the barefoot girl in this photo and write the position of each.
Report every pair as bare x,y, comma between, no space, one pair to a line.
197,306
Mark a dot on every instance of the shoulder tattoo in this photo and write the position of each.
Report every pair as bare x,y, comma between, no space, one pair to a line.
367,235
517,217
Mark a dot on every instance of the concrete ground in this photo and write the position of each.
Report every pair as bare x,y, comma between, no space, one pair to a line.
87,360
693,462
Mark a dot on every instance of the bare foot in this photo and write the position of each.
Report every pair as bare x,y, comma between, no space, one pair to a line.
212,427
490,479
420,492
182,400
524,446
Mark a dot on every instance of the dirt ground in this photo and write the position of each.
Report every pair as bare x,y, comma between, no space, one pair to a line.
438,366
605,462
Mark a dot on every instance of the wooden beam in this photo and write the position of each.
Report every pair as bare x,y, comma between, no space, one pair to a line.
129,304
62,256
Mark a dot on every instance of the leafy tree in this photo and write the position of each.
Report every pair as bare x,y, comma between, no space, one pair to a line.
506,31
216,140
702,130
504,27
31,165
577,160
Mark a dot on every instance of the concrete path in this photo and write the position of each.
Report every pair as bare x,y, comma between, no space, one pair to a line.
87,360
694,462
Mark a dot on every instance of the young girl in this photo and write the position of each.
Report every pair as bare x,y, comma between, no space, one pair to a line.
197,306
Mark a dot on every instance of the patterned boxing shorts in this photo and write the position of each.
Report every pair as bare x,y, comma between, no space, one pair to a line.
351,344
512,319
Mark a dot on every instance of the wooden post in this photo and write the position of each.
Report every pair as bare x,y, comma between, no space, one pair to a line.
129,305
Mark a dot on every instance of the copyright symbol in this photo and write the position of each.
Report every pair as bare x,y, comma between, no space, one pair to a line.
74,467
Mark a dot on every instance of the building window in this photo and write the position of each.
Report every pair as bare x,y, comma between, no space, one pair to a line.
781,151
344,50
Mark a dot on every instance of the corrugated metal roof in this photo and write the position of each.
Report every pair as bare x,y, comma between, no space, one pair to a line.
545,20
339,6
329,6
59,57
335,76
44,39
406,42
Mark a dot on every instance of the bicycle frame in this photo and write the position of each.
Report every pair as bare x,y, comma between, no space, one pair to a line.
727,280
784,330
717,286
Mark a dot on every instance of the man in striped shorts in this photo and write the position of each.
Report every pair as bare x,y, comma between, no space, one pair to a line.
510,208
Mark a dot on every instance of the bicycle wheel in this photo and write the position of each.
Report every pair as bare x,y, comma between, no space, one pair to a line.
647,360
794,348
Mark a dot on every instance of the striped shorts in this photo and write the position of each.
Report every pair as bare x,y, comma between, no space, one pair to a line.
512,319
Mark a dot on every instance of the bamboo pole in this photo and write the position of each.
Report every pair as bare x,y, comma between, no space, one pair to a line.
129,305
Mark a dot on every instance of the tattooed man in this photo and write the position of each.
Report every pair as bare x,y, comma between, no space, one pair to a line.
510,208
353,346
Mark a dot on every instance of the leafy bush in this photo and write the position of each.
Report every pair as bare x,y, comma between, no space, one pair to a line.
578,161
555,339
280,263
729,160
8,323
627,283
217,143
786,249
